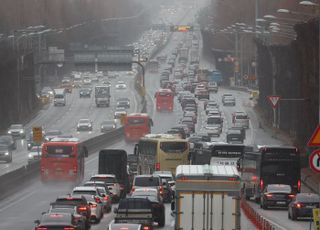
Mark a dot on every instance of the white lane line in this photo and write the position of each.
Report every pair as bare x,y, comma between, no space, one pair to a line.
5,208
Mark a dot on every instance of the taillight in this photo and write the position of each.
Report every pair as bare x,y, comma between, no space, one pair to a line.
93,205
291,196
98,200
268,195
146,228
133,188
82,209
41,228
254,178
69,228
161,190
299,185
299,205
75,169
157,165
106,198
261,184
121,187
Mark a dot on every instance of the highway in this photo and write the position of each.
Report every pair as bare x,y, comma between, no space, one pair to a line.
19,210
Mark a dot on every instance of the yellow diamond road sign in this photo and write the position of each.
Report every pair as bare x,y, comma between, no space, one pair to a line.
37,134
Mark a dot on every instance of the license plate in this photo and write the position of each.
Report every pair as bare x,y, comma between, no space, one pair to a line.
281,202
310,206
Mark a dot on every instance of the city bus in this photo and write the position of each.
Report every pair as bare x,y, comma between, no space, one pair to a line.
153,66
161,152
164,100
220,153
136,125
63,159
270,165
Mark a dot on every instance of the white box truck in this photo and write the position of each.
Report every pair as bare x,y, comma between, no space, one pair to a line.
102,95
59,97
207,197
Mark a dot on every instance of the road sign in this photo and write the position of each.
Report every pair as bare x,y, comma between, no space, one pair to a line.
315,138
316,217
274,100
37,135
314,161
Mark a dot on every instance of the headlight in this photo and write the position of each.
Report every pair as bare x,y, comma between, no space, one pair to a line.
29,156
21,131
6,153
9,132
114,126
89,125
78,126
29,144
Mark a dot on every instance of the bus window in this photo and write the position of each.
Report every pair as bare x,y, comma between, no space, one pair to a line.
173,147
60,151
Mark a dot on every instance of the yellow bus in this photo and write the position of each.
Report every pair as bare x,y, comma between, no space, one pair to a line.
161,152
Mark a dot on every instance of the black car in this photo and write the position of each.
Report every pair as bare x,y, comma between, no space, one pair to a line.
85,92
158,210
8,140
57,221
135,211
276,195
302,205
107,126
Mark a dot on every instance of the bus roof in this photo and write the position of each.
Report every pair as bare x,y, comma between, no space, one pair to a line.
138,115
165,91
191,171
64,139
162,136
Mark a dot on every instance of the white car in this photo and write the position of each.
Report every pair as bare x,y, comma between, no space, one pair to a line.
34,154
121,85
84,125
119,112
111,181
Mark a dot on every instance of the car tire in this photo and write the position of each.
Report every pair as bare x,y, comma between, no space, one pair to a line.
289,215
264,206
294,216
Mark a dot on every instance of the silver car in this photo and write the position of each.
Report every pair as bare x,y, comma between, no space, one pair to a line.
17,131
84,125
5,153
34,154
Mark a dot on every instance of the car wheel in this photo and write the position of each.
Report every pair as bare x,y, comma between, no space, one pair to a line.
264,206
289,215
293,216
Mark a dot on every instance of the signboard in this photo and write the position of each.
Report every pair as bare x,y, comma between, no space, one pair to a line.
314,161
315,138
37,135
316,217
274,100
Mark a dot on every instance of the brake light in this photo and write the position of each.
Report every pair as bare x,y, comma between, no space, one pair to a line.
41,228
146,228
98,200
291,196
82,209
268,195
261,184
69,228
133,188
254,178
299,185
161,190
157,166
299,205
93,205
106,198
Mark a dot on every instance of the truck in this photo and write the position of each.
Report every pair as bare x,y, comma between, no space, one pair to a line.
114,161
102,95
215,76
183,55
59,97
207,197
194,56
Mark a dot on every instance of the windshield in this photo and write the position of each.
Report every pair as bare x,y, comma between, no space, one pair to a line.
147,181
173,147
59,151
136,121
16,127
59,96
110,180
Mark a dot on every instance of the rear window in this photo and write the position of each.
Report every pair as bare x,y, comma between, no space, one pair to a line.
147,181
60,151
80,192
173,147
165,94
241,117
104,179
70,201
134,204
136,121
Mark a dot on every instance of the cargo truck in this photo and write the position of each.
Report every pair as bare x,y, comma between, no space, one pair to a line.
114,161
102,95
207,197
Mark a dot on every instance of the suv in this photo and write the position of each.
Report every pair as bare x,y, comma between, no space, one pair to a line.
153,181
136,211
111,181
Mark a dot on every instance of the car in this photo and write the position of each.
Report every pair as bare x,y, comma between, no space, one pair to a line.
17,131
302,205
84,125
104,192
34,154
181,130
189,122
229,100
5,153
234,136
121,85
214,125
135,211
125,226
190,108
56,221
85,92
158,209
123,102
107,126
166,178
214,112
111,181
94,197
191,114
119,112
276,195
80,220
47,92
50,134
240,119
78,201
8,140
213,86
150,181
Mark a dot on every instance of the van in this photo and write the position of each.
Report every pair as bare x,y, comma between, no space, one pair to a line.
240,119
59,97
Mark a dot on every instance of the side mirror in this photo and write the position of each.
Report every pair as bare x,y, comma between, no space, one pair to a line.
115,210
172,206
135,151
85,152
37,222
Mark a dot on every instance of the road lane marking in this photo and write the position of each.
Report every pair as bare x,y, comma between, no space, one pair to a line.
16,201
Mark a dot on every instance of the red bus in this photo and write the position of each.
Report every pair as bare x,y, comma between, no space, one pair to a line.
63,159
164,100
136,125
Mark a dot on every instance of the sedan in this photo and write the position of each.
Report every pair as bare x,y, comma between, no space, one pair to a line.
123,102
8,140
50,134
84,125
34,154
302,205
121,85
54,220
17,131
85,92
276,195
120,111
107,126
